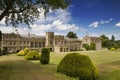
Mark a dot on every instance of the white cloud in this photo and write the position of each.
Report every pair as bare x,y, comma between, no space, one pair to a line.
97,23
117,24
94,24
57,21
107,21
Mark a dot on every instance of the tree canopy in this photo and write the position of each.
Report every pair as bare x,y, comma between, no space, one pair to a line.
71,35
110,43
26,11
113,38
105,41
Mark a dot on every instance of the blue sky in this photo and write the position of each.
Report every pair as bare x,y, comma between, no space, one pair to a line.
95,17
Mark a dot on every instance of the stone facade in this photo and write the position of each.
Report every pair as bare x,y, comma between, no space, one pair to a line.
96,40
56,43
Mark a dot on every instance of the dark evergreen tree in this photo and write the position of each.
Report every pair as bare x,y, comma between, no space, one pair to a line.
112,38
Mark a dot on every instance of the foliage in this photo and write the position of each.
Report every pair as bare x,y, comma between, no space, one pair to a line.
86,46
32,55
105,41
23,52
4,52
112,49
109,43
92,46
113,38
45,56
71,35
27,11
77,65
26,50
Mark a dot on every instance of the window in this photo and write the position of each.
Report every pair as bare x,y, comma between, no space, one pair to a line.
51,42
20,42
24,42
31,44
14,43
35,44
10,42
39,44
43,44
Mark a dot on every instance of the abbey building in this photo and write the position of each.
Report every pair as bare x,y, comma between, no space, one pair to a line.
56,43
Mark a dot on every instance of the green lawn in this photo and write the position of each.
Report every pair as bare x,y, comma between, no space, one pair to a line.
14,67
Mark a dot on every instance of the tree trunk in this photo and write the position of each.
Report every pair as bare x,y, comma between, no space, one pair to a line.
6,11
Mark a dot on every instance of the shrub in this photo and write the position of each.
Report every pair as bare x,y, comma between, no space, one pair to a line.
77,65
26,50
32,55
0,52
86,46
23,52
4,51
112,49
92,46
45,56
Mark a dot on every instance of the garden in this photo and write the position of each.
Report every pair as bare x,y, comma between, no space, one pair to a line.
13,67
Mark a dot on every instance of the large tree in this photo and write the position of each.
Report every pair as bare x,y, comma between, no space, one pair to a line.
27,11
113,38
71,35
105,41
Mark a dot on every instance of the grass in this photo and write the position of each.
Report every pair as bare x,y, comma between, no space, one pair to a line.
14,67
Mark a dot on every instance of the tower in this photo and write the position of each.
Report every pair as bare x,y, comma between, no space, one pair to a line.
50,40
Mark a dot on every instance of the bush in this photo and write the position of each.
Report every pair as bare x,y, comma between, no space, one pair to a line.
45,56
23,52
20,53
77,65
32,55
26,50
4,51
112,49
0,52
92,46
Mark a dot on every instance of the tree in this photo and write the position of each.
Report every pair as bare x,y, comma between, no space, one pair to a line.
27,11
45,56
92,46
105,41
112,38
71,35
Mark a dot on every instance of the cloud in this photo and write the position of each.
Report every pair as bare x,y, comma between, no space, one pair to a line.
94,24
107,21
58,21
117,24
97,23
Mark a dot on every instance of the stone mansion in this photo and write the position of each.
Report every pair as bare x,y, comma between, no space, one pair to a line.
56,43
